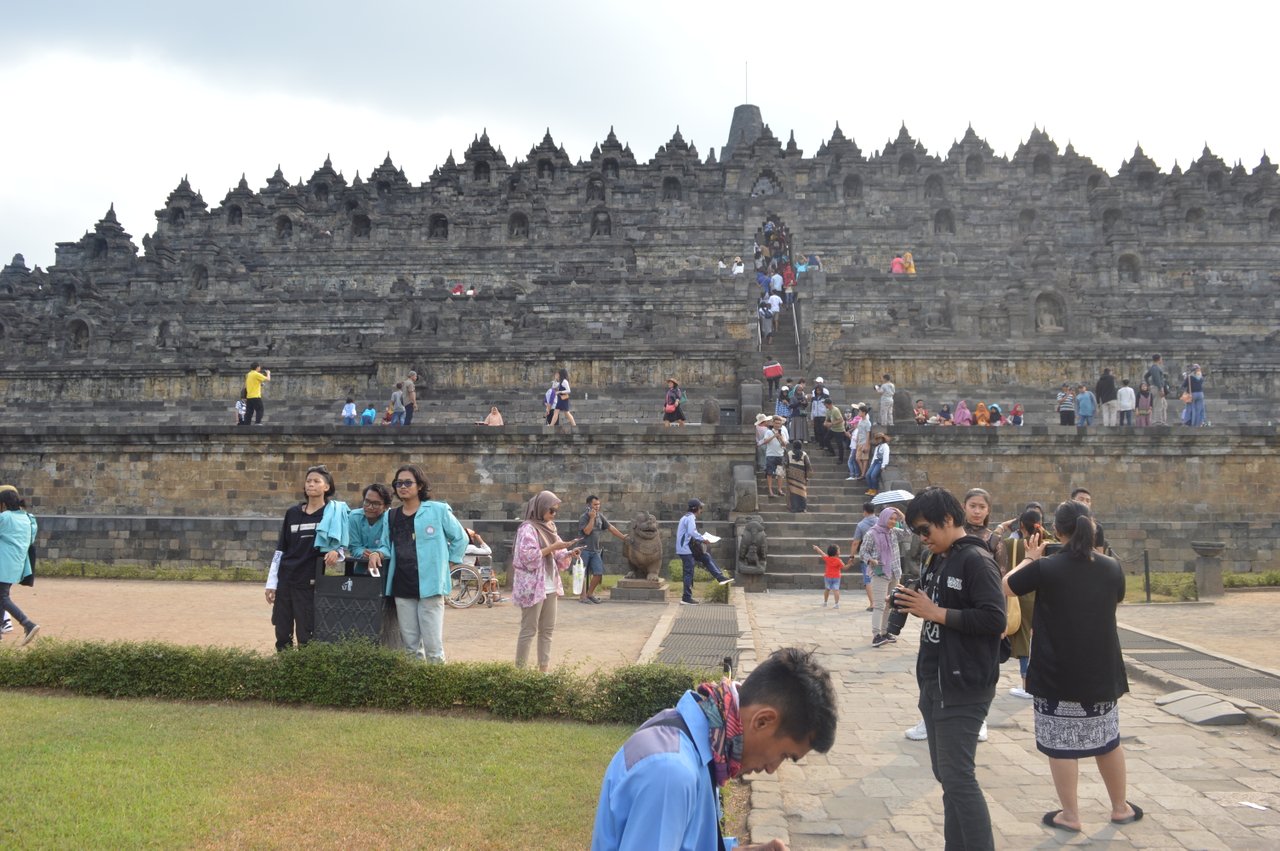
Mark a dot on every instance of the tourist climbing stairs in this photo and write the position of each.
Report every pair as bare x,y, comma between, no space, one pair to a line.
834,509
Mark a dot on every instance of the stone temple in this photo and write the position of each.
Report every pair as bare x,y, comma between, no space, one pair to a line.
122,365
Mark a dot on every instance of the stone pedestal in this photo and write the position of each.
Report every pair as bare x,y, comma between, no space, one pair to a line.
753,583
640,590
1209,568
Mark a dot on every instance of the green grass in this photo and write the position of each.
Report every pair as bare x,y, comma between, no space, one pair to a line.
92,773
1165,588
704,586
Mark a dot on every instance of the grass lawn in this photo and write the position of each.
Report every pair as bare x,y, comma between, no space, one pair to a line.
90,773
1165,588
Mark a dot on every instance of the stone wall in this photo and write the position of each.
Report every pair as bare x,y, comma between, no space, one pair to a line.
1156,489
191,496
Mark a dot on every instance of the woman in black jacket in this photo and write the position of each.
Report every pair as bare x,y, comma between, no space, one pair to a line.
1076,673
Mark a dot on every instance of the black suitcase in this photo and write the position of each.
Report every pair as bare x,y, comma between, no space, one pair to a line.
347,606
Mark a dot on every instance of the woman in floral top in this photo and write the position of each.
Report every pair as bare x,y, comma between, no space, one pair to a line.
540,556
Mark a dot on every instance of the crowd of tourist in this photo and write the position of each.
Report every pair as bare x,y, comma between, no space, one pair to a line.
1110,403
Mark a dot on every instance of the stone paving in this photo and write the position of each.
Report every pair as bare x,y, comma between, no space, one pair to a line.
875,789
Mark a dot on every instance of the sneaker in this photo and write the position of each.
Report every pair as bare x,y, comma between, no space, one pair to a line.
892,639
824,604
7,626
871,608
852,479
982,732
593,598
836,606
918,733
878,640
688,602
726,580
31,633
872,492
1020,692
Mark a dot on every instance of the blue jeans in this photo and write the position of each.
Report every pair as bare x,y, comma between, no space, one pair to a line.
854,469
873,476
953,741
687,561
397,418
1084,419
7,605
348,420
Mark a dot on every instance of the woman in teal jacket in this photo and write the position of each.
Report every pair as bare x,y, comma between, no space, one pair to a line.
425,540
17,532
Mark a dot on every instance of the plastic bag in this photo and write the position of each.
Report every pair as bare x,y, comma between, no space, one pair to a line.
579,575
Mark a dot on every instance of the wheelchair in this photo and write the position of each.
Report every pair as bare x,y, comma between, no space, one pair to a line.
473,581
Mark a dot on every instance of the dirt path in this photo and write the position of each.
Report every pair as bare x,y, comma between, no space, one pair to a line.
235,614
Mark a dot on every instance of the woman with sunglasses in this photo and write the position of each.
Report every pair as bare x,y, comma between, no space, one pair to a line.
540,556
314,528
425,540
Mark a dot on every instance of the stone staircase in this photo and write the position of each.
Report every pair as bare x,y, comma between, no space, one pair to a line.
835,507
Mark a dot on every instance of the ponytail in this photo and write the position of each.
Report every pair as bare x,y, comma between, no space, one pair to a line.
1074,524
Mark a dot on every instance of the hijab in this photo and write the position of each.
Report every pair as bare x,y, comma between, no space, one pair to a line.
945,413
882,532
909,262
962,416
981,415
534,511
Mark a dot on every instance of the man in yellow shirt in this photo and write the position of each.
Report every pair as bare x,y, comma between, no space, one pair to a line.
253,393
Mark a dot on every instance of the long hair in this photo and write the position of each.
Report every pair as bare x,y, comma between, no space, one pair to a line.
986,497
1074,524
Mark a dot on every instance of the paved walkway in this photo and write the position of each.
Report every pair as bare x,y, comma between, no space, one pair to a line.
875,789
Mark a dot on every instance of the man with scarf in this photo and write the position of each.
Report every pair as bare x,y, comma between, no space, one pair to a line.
661,790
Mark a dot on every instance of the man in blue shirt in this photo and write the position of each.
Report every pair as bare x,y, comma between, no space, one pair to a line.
660,790
692,549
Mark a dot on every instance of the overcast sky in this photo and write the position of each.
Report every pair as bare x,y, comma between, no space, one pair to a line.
115,102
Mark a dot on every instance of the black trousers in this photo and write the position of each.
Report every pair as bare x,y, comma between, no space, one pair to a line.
252,408
294,610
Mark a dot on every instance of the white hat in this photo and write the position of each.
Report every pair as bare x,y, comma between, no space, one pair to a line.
786,387
818,380
763,418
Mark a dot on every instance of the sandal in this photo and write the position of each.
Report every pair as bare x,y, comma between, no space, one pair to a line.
1137,815
1047,821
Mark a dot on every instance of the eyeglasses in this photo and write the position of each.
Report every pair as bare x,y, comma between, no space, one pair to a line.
922,530
373,503
404,483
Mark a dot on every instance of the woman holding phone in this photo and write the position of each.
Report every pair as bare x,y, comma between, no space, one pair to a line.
539,558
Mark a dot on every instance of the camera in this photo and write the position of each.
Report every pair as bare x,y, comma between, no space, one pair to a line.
898,617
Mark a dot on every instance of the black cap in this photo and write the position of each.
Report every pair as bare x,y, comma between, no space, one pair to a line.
695,504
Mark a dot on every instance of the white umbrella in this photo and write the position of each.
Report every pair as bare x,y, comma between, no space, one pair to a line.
887,497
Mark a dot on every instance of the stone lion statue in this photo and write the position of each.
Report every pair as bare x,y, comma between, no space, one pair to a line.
753,545
643,548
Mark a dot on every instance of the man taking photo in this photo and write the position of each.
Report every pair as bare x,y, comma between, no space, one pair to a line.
962,605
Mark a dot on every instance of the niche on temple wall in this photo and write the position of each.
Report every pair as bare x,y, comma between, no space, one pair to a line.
518,226
906,165
671,189
853,188
1050,313
1128,268
1273,222
933,188
77,337
438,226
973,166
